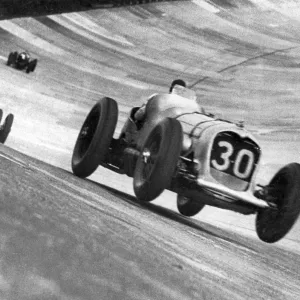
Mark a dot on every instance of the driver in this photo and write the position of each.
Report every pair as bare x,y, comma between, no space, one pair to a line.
23,56
141,113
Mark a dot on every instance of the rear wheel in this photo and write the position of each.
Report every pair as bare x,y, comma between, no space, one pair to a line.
12,58
284,190
187,206
158,159
95,137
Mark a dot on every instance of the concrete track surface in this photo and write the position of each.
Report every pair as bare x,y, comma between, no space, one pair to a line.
67,238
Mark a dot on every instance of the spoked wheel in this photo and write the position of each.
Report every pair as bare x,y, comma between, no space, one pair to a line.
158,159
188,207
6,127
95,137
284,190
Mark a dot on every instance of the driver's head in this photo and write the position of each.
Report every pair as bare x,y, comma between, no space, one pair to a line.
24,54
177,82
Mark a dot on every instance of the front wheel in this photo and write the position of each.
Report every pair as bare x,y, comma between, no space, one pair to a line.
95,137
188,207
31,66
284,190
158,159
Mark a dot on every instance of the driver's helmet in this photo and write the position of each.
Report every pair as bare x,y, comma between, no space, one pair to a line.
23,56
177,82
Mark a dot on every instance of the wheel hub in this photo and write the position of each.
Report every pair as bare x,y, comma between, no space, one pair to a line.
84,131
267,193
146,156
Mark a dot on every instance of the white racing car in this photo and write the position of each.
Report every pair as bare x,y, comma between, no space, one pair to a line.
205,160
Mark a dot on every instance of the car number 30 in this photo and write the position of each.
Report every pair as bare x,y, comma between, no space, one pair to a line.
243,157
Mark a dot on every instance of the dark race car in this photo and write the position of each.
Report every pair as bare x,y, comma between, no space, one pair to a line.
204,159
22,61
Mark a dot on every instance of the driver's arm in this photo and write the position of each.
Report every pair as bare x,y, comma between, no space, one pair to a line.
141,113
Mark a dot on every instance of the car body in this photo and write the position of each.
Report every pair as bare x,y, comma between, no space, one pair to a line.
204,159
22,61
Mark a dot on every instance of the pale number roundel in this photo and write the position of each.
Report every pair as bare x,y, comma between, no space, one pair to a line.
225,156
225,163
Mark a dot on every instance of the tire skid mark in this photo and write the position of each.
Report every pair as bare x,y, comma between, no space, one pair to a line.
221,26
175,66
77,30
207,6
71,31
105,57
46,29
91,26
18,31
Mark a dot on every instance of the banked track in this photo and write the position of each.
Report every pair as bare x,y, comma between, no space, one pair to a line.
66,238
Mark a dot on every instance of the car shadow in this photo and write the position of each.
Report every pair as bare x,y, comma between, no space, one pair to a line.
204,227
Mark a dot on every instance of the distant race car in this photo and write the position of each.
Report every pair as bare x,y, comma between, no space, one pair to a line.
5,128
204,159
22,61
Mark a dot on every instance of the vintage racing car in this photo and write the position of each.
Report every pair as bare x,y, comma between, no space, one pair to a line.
22,61
204,159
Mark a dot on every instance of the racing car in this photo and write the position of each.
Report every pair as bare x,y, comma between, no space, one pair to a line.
204,159
22,61
5,128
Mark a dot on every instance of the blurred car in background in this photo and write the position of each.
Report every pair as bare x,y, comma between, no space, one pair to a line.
22,61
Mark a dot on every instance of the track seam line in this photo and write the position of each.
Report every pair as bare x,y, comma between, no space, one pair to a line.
243,62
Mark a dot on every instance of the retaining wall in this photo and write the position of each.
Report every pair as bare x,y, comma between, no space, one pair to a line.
25,8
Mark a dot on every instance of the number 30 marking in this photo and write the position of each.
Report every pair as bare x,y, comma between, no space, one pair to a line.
238,160
225,156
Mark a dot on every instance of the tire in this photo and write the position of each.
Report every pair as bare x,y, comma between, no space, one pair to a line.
6,128
272,225
95,137
31,66
34,64
188,207
154,173
11,58
1,114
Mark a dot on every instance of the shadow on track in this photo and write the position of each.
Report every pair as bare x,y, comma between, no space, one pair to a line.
203,227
